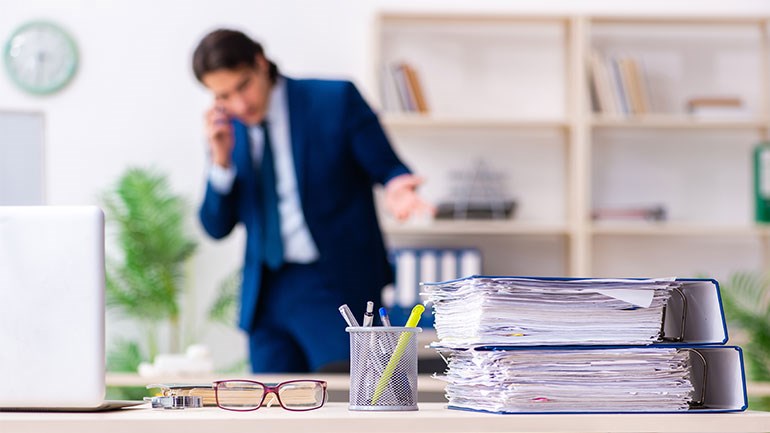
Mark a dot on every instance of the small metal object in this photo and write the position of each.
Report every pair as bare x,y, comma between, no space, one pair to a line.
680,337
176,402
699,402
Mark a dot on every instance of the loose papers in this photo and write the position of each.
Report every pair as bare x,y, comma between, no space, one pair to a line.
570,380
519,311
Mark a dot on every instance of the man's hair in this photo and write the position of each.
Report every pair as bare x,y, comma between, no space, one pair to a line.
228,49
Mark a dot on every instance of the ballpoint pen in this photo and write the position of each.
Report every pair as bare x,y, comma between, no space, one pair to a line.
348,316
369,315
384,317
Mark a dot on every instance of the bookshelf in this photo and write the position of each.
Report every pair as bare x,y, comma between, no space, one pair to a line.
517,92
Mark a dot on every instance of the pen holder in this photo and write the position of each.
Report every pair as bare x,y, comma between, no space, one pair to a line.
383,368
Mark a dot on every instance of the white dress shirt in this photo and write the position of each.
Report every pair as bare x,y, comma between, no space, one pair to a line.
298,244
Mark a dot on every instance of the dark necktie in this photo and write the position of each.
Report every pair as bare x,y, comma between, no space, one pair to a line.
272,246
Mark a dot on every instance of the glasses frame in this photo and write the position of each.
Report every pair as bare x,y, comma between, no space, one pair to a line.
270,389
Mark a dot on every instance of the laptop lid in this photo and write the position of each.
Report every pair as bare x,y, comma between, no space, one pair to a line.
51,307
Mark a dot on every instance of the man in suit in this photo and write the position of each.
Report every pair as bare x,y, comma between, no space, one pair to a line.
295,161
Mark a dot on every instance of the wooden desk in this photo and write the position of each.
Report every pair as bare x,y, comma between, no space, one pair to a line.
335,418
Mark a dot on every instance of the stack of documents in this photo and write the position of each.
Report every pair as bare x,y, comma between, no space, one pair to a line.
571,345
521,311
579,379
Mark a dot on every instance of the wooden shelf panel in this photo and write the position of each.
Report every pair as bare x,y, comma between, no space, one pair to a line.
400,121
662,121
677,229
679,20
474,228
390,18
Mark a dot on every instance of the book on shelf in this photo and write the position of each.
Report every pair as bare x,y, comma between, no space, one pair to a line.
717,107
401,89
620,85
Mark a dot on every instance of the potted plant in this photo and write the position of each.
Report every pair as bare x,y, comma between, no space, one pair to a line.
144,274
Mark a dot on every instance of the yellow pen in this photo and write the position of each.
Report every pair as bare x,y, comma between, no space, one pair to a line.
403,341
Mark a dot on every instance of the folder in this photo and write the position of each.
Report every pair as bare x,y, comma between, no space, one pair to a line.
692,313
413,265
717,376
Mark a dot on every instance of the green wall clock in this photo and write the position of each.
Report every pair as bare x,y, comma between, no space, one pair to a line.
40,57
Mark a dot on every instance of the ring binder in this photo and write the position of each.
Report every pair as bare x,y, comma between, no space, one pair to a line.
700,402
679,338
553,330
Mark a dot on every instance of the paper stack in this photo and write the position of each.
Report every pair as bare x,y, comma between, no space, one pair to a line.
525,311
588,380
547,345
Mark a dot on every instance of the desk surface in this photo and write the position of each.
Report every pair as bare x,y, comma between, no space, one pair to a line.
336,418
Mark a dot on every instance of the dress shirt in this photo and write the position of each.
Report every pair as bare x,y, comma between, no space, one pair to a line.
298,244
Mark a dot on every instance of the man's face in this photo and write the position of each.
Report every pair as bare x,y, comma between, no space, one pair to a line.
244,92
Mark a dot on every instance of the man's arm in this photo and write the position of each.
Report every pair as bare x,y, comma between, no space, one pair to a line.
217,213
373,151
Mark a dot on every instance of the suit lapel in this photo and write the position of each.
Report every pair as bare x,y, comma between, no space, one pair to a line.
298,125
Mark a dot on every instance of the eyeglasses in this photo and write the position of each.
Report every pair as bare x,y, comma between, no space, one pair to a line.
248,395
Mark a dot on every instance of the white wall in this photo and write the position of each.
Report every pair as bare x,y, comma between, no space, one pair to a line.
135,101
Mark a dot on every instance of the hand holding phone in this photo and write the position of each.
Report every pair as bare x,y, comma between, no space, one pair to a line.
220,136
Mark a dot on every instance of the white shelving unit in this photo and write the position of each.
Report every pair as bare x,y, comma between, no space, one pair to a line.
515,91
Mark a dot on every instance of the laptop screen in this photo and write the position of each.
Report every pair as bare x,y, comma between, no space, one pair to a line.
51,306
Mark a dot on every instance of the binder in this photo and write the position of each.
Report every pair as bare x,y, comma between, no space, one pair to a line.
692,320
719,379
415,264
693,315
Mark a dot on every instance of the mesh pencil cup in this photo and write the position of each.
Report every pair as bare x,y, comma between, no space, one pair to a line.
383,368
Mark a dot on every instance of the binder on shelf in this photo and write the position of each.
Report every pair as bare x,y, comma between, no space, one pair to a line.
715,382
687,312
413,265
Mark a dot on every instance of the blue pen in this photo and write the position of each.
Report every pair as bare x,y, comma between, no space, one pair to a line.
384,317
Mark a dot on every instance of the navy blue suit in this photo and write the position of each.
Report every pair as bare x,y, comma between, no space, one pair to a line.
340,152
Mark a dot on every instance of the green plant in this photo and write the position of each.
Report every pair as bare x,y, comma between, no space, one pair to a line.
225,305
746,298
145,280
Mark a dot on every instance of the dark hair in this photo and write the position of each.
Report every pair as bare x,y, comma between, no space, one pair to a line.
227,49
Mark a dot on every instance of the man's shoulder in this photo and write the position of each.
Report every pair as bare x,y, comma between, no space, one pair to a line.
321,85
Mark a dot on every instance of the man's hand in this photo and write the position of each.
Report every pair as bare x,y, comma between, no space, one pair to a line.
220,136
401,197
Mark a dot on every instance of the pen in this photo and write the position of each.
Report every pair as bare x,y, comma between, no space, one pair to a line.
403,341
369,315
384,317
348,316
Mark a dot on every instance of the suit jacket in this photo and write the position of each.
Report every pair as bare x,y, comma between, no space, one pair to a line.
340,152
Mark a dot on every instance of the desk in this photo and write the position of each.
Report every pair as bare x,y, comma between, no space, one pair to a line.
335,418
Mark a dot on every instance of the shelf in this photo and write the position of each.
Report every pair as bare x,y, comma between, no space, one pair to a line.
680,20
474,228
395,18
682,121
401,121
677,229
684,57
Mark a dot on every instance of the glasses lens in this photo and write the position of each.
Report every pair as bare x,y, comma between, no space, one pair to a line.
302,395
238,395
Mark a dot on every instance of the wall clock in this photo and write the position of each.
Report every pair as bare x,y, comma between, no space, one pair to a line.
40,57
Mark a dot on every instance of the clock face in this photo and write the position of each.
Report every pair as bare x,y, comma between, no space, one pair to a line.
40,57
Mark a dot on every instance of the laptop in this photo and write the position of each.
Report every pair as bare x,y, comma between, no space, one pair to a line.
52,350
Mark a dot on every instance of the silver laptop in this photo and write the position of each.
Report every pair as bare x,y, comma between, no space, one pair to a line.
52,308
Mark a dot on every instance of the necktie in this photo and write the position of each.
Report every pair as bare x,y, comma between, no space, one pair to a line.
271,224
